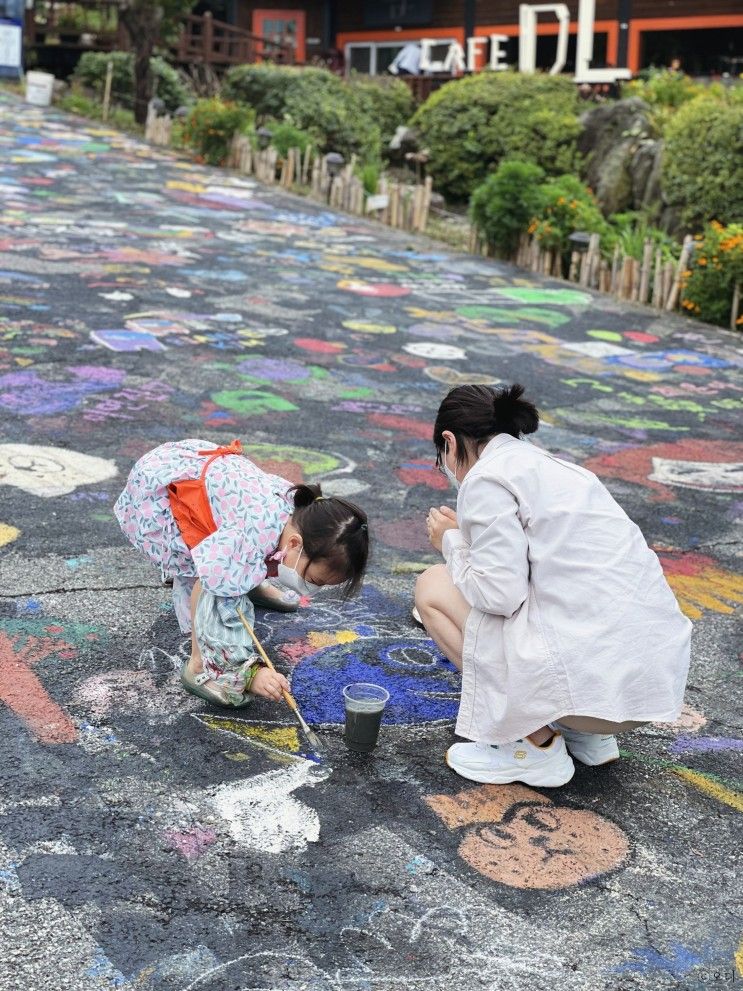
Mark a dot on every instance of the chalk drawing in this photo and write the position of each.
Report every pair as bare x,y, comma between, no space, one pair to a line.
51,471
663,468
261,813
278,738
714,476
699,583
24,644
8,533
518,837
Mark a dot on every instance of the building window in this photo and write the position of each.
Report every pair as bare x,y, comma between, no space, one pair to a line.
374,58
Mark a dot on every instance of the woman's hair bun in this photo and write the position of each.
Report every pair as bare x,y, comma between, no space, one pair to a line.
513,414
305,495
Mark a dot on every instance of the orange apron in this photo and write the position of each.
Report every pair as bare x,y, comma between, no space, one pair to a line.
189,501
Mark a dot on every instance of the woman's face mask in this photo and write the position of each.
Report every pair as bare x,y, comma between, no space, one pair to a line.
447,470
290,578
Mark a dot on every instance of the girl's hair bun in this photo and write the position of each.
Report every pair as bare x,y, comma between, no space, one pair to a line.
305,495
513,414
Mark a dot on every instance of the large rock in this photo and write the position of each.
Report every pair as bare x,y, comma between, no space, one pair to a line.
622,156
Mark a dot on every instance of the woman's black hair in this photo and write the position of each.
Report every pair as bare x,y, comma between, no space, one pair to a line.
475,413
332,530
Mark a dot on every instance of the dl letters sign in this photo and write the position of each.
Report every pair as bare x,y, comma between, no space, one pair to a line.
457,60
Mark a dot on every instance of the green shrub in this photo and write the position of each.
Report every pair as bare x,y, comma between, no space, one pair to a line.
370,173
470,125
284,135
505,204
664,88
569,206
75,102
631,230
91,72
716,265
262,86
703,161
389,101
336,115
210,127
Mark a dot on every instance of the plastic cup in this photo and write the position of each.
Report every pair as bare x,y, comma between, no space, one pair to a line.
364,707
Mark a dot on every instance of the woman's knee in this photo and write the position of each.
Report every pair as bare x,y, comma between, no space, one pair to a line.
428,587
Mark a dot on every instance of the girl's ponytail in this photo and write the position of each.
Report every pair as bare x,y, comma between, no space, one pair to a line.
305,495
512,414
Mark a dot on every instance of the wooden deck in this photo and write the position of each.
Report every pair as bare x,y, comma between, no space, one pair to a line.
58,38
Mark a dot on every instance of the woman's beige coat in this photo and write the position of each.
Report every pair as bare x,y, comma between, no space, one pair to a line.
571,613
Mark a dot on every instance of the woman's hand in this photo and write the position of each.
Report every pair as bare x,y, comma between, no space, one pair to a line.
438,522
269,684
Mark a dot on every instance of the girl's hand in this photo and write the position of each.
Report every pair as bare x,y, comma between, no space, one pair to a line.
438,522
448,511
269,684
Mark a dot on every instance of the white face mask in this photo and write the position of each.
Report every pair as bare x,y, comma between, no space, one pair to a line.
290,578
447,470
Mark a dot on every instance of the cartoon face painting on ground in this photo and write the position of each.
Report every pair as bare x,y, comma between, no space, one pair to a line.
149,842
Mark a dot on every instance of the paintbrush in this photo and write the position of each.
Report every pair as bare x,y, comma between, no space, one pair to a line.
313,738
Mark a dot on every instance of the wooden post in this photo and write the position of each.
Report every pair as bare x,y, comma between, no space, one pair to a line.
735,307
673,295
584,262
594,256
615,270
626,284
604,276
657,300
207,37
574,266
306,165
107,89
647,261
635,281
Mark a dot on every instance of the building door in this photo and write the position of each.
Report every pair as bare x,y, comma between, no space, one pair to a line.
284,26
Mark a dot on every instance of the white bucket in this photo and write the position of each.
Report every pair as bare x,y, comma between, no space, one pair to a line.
39,88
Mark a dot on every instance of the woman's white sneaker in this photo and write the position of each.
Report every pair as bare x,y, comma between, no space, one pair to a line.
544,767
593,749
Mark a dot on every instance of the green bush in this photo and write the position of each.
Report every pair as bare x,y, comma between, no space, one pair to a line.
664,88
632,230
505,204
285,135
470,125
91,72
703,161
716,265
336,115
75,102
569,206
210,127
262,86
389,101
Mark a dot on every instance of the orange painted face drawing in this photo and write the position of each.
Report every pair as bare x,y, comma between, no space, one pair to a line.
518,837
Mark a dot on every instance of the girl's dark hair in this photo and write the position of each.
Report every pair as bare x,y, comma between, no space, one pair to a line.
475,413
333,530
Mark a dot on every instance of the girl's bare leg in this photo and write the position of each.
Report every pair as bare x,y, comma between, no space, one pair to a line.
195,664
444,611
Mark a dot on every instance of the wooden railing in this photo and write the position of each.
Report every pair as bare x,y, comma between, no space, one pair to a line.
210,42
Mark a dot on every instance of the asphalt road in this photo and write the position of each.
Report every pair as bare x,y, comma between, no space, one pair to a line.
150,842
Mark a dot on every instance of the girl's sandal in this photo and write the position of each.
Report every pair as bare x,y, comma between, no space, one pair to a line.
199,685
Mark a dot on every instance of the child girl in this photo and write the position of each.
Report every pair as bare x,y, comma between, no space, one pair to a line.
550,602
218,526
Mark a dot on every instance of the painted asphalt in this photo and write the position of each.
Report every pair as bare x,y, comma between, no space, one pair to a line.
149,842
